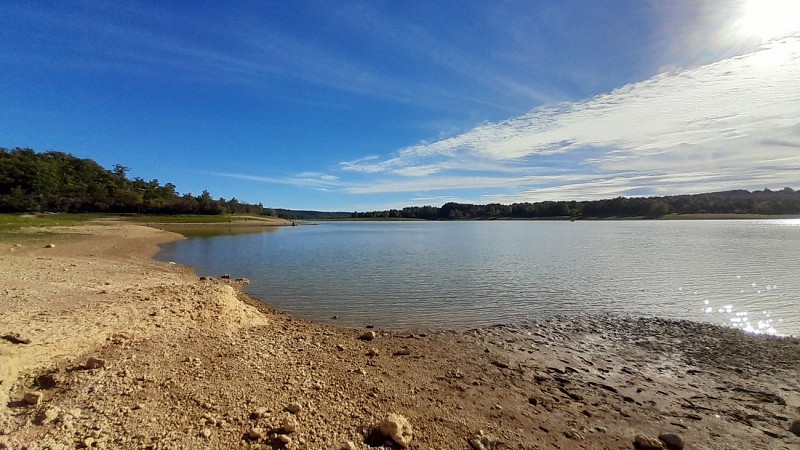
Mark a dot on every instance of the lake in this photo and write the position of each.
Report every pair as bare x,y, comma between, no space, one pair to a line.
434,275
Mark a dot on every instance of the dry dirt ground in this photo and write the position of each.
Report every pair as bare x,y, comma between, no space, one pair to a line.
105,348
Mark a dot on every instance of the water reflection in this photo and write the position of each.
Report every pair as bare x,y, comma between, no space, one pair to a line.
740,317
472,274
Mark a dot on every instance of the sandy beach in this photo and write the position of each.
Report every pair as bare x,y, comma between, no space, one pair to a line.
103,347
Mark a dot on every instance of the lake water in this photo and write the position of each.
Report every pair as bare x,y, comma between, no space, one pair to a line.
468,274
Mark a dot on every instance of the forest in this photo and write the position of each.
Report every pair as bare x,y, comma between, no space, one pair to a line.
766,202
59,182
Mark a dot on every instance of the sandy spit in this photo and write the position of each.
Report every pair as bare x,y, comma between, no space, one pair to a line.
102,347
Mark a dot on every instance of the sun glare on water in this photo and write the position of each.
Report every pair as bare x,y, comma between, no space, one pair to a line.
770,19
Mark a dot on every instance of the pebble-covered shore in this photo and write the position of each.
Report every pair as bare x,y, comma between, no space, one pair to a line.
125,353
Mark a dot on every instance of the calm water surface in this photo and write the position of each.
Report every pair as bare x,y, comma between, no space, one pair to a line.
742,273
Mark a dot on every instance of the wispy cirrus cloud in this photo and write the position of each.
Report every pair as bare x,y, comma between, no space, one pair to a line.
731,124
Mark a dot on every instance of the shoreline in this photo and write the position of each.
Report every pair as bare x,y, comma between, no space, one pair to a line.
187,363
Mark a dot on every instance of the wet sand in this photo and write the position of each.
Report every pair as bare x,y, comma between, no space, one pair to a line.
106,348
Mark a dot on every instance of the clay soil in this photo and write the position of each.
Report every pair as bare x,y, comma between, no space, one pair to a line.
104,347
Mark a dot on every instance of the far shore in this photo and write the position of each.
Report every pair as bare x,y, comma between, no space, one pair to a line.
103,347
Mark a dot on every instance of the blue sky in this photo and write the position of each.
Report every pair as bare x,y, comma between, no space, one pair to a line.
368,105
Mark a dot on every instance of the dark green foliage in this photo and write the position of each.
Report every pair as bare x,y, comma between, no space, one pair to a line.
290,214
59,182
766,202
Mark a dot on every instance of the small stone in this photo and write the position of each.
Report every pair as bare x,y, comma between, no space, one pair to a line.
455,373
33,398
397,428
95,363
373,352
482,441
500,364
402,352
672,441
225,276
293,408
284,440
255,434
601,429
574,435
795,427
48,415
205,432
367,336
259,413
339,347
289,425
51,245
349,445
645,442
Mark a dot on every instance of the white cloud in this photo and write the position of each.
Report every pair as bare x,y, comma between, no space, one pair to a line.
731,124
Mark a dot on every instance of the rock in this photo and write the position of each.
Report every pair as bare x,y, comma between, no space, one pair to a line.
244,281
795,427
15,338
289,425
454,373
482,441
285,441
254,434
373,352
500,364
339,347
367,336
574,435
205,432
349,445
48,415
259,413
51,245
402,352
225,276
95,363
671,441
33,398
293,408
645,442
396,428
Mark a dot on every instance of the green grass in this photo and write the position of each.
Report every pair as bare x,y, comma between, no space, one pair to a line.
28,228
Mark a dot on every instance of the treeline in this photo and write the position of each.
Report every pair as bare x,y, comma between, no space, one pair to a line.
59,182
785,201
291,214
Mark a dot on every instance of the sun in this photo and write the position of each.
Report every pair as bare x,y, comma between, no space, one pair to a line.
770,19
